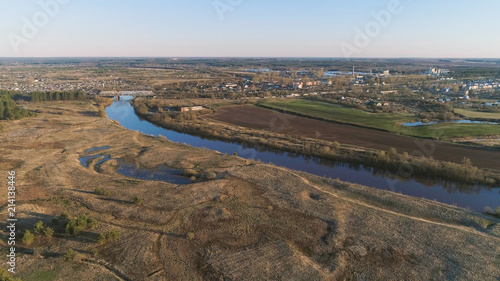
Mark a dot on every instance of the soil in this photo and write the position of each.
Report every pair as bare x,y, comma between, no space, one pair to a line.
259,118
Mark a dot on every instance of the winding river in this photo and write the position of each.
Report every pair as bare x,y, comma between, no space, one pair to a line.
467,196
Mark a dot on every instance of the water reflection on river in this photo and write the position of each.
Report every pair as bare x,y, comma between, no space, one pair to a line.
467,196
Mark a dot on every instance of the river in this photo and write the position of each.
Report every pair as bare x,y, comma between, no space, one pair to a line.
475,197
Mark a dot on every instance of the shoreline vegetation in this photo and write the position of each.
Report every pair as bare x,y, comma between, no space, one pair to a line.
401,164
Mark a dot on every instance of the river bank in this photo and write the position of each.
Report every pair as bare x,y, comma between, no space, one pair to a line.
251,217
401,164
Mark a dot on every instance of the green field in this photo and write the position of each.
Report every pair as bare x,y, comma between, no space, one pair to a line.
445,131
477,114
383,121
342,114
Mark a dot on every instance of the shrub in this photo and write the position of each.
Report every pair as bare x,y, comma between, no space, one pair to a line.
39,228
488,210
485,223
393,152
137,200
381,154
102,191
189,173
64,215
77,225
48,232
113,235
190,235
70,254
28,238
101,239
209,175
336,145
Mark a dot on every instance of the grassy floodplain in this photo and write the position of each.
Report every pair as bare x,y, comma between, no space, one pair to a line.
477,114
391,122
249,218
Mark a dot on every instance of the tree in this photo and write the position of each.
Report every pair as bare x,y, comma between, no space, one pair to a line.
467,162
39,228
70,254
2,110
393,152
28,238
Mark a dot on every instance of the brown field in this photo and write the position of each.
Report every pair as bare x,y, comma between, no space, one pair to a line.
264,119
253,222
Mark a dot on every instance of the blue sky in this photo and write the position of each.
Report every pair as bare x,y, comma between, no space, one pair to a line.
249,28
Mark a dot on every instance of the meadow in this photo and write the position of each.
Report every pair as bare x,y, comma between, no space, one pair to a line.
391,122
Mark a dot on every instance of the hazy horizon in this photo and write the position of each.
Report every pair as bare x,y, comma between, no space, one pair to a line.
249,29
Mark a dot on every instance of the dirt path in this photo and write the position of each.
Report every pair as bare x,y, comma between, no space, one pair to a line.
357,202
264,119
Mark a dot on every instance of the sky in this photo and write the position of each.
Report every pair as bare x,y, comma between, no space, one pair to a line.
250,28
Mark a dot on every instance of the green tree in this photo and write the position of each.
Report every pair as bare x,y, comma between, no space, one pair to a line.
39,228
2,110
70,254
28,238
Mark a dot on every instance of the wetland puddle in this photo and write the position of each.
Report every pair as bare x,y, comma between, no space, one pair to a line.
160,173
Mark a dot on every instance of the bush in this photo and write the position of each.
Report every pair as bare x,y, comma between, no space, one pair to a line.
113,235
101,239
64,215
70,254
77,225
48,232
189,173
39,228
489,210
393,152
209,175
28,238
102,191
137,200
190,235
485,223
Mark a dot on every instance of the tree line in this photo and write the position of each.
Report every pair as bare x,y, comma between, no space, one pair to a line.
9,109
58,96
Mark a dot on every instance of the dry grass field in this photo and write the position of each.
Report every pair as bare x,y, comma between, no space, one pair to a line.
252,222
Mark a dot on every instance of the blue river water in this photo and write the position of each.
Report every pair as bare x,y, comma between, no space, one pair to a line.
475,197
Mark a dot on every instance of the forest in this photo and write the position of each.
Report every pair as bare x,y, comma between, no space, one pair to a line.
9,109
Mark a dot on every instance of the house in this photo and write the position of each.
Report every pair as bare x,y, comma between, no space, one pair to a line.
388,92
191,108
